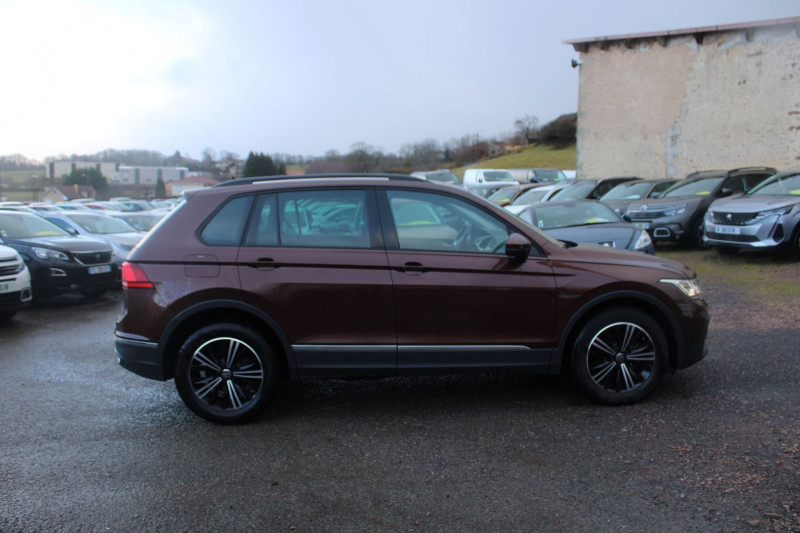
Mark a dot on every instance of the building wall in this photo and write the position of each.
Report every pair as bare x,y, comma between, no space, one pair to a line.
59,169
127,175
668,106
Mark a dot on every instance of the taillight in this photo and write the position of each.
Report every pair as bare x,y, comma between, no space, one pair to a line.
133,277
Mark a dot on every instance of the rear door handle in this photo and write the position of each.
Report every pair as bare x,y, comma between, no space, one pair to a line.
414,268
265,264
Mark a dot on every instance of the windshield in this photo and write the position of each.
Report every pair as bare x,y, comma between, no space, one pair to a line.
779,184
550,175
27,227
532,196
699,187
576,191
627,191
504,194
444,176
101,224
548,216
498,175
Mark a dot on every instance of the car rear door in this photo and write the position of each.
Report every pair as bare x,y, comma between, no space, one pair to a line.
313,260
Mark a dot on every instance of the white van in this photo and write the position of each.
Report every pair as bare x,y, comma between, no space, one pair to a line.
15,283
476,176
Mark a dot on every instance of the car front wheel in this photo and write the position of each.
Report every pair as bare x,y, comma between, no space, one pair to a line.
226,373
619,356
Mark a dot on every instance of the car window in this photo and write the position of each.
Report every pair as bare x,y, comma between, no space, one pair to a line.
698,187
100,224
263,230
531,196
226,226
575,191
552,216
734,184
324,218
14,226
427,221
779,184
627,191
752,180
659,188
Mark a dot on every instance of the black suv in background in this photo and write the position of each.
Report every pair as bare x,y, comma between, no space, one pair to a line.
678,214
59,262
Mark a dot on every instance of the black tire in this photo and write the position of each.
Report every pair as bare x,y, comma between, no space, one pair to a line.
226,373
794,246
93,294
619,356
726,250
696,238
7,314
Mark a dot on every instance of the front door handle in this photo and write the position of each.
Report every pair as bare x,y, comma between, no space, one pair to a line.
412,267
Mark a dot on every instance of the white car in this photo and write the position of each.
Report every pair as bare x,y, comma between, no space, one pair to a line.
535,195
477,176
15,283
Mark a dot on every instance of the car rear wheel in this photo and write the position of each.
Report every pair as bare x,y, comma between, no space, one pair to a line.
226,373
619,356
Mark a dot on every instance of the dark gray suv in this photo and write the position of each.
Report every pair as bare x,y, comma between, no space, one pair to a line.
261,280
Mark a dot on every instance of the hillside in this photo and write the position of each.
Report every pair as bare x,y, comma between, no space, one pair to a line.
528,157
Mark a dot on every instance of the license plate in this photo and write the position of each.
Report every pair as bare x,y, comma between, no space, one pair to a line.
5,287
728,230
99,269
641,225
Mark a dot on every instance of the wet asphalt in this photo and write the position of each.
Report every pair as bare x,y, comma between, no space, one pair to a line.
88,446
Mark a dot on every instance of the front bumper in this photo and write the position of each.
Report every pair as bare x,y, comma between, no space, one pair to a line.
769,232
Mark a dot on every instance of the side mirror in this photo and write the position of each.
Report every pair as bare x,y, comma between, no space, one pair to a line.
626,217
72,231
518,247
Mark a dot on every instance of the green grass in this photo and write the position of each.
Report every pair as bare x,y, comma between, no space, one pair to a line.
528,157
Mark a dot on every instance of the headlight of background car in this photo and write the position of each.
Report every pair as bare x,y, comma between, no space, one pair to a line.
643,241
689,287
47,253
674,209
779,212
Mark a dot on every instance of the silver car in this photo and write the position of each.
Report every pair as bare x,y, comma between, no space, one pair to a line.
767,217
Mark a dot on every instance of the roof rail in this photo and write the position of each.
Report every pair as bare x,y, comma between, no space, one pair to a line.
357,175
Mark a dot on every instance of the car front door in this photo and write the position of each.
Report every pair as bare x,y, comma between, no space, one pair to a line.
460,301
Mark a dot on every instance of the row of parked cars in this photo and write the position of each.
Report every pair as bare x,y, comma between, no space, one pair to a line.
52,249
753,207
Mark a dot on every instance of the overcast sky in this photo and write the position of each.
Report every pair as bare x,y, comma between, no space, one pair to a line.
303,77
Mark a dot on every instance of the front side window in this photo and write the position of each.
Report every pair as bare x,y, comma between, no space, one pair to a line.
434,222
699,187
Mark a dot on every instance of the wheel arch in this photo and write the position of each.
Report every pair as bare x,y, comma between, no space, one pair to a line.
220,311
633,299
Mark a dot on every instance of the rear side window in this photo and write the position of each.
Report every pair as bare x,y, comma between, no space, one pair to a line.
324,218
227,225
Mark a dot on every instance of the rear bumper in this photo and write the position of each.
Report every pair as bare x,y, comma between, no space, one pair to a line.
140,357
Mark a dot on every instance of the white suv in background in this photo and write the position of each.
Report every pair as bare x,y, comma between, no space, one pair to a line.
15,283
476,176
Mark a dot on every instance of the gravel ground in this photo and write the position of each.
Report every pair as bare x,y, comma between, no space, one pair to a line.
87,446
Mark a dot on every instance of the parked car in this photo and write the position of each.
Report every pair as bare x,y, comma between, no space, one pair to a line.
485,190
767,217
140,220
506,195
620,197
120,235
477,176
678,214
587,221
15,283
440,176
534,195
259,280
590,189
538,175
58,261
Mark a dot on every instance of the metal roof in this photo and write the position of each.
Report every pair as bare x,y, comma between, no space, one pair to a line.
581,45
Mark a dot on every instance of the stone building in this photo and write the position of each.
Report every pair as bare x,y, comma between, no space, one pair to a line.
670,103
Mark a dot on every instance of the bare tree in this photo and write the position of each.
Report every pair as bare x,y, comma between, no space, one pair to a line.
527,127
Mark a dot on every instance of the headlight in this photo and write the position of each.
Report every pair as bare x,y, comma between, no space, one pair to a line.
47,253
674,209
689,287
780,211
644,241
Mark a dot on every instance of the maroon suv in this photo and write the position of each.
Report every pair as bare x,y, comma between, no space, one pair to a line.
259,280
